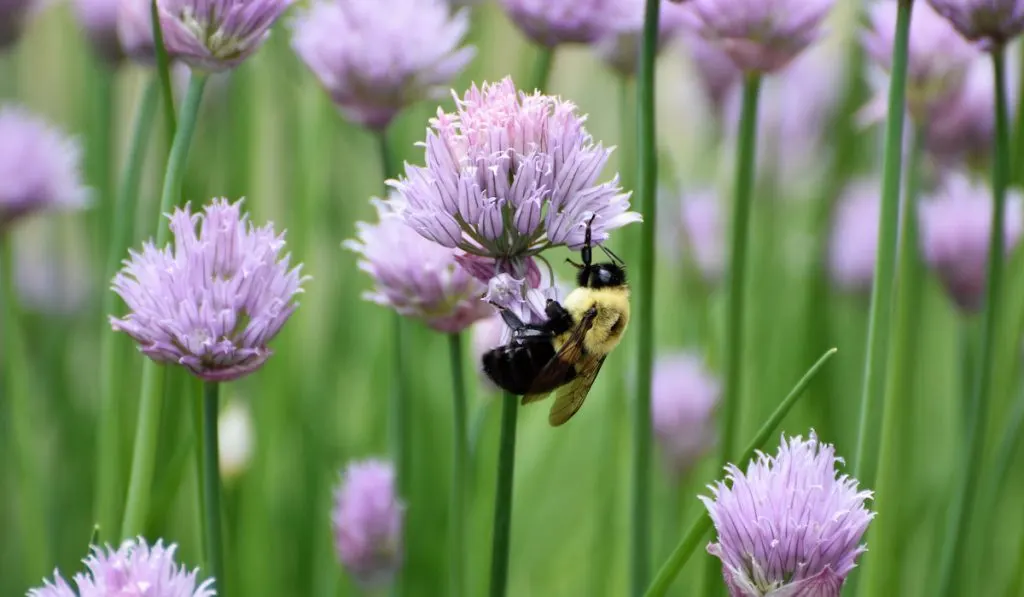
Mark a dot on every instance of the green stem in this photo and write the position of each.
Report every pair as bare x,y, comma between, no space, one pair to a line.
212,487
99,154
881,571
502,530
541,70
1016,588
151,401
951,565
885,261
460,458
20,391
109,483
671,568
647,174
163,69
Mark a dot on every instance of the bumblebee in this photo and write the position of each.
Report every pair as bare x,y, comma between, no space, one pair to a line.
565,352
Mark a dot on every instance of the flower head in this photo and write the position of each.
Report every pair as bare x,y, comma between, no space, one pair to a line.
213,300
955,225
854,239
135,30
375,58
761,35
99,20
367,521
938,57
510,174
416,277
620,46
553,22
701,233
133,569
217,35
40,168
790,525
961,124
683,399
988,21
716,71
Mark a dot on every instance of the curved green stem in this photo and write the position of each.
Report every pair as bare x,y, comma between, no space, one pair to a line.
671,568
19,391
647,174
952,567
212,487
541,70
163,69
151,400
460,459
502,529
885,261
109,482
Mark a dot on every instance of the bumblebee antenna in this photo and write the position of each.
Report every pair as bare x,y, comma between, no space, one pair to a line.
573,263
615,258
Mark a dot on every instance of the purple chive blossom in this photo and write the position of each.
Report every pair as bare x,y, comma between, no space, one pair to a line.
135,30
509,175
716,72
854,240
553,22
700,238
938,58
955,223
684,395
40,168
217,35
133,569
376,58
761,35
416,277
992,22
367,520
213,300
619,48
790,526
99,20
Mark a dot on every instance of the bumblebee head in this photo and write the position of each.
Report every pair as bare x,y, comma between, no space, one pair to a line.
601,275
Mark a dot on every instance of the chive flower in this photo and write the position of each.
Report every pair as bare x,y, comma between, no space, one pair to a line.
990,22
509,175
416,277
761,36
698,233
619,47
135,30
40,167
955,225
550,23
98,19
684,395
135,568
790,525
376,58
213,300
853,242
367,520
216,35
716,73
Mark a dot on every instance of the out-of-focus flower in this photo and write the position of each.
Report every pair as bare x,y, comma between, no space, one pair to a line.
133,569
486,334
761,35
717,72
217,35
703,232
956,222
791,525
99,20
620,47
553,22
40,168
938,58
509,175
376,58
416,277
213,300
684,395
135,30
52,269
991,22
235,439
13,14
853,244
367,521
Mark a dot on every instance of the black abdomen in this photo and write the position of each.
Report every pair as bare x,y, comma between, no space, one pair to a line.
515,366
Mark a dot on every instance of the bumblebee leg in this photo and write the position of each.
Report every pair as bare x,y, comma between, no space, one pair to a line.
559,319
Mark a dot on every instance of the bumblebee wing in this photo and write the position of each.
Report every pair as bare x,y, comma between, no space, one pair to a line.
571,396
562,367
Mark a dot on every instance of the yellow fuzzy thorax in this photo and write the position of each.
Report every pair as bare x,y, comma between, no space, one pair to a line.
612,317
